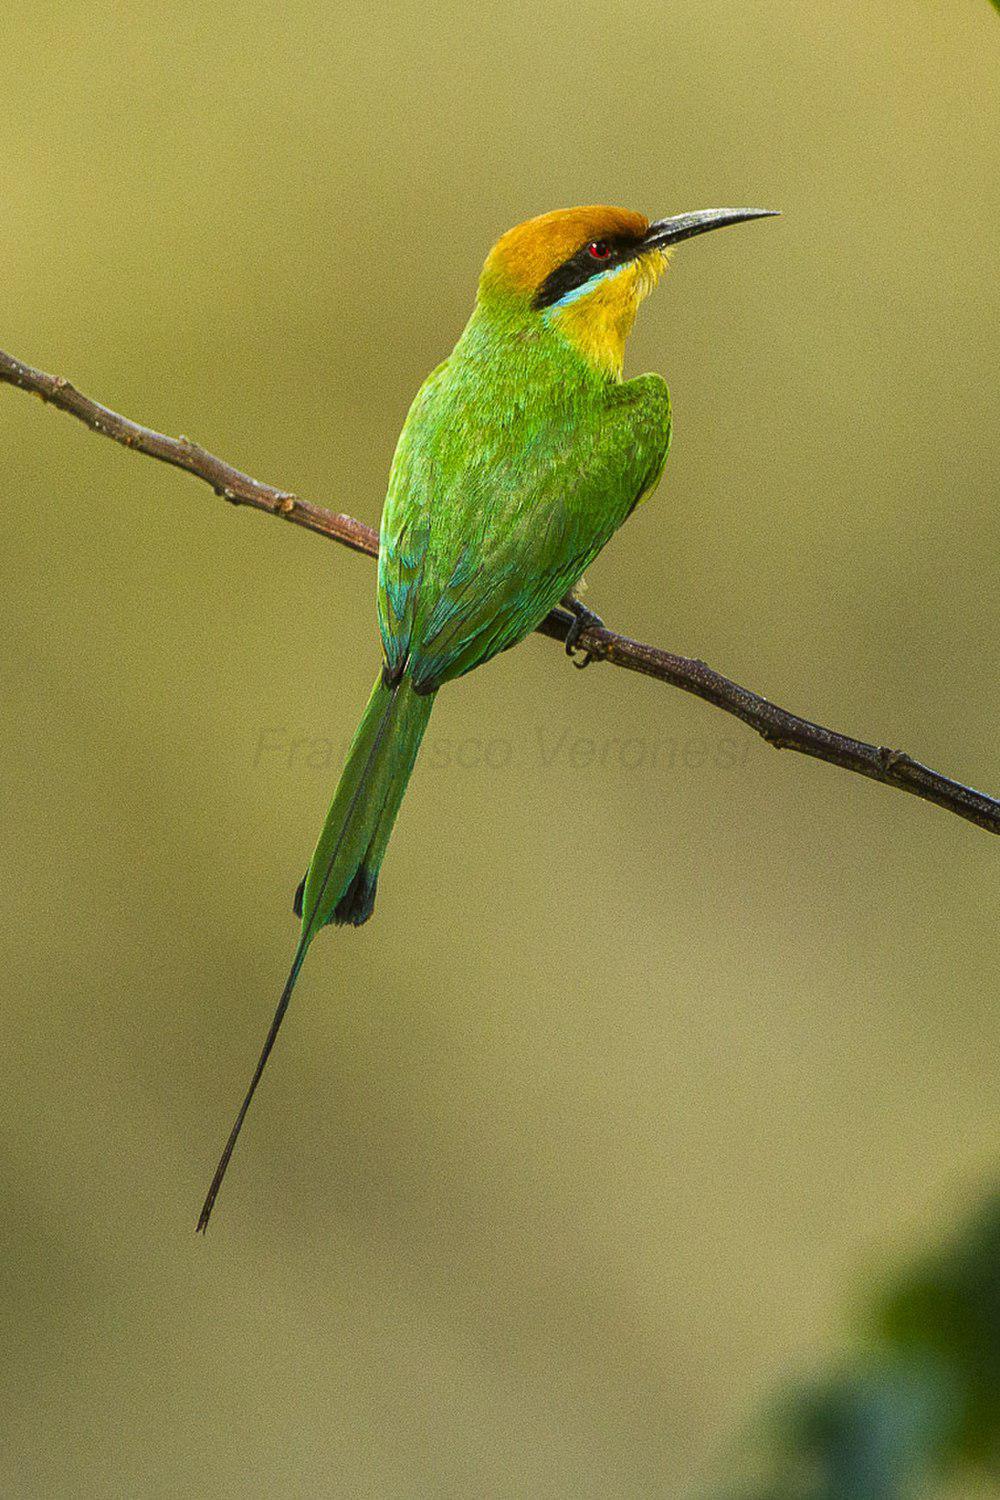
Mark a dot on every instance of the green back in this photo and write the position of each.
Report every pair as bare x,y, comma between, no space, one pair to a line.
517,462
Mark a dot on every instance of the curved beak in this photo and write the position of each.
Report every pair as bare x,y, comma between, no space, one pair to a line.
684,226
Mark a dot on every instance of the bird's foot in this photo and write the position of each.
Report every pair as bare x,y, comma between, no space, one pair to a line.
583,619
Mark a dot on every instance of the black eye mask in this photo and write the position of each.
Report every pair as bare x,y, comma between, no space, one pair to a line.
583,267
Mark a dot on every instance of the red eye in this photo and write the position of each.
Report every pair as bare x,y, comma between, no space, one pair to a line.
599,249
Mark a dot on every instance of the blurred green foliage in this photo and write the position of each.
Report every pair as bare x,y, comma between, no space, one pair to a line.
563,1162
948,1313
920,1402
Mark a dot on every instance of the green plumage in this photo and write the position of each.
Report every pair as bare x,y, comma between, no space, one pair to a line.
340,882
518,461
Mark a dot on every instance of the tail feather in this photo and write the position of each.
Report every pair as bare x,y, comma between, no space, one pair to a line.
258,1073
339,885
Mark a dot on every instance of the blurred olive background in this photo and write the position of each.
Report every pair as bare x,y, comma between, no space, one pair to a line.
659,1040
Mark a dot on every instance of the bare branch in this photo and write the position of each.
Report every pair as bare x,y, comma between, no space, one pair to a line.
777,726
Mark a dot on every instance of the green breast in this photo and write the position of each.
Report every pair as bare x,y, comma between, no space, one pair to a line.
516,464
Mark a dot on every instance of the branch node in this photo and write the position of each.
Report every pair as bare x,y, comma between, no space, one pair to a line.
891,759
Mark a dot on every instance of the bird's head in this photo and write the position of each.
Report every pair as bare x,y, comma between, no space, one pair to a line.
584,271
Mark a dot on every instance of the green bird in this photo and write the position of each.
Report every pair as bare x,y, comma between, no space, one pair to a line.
520,458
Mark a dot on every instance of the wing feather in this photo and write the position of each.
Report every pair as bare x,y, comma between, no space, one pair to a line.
485,529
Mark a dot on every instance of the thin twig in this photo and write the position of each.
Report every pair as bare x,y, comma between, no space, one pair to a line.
776,725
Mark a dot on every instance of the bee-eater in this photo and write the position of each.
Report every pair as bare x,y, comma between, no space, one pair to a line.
521,456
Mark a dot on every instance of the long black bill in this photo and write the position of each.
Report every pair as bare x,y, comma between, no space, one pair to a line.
684,226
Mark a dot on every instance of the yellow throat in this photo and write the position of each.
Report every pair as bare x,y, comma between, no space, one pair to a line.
599,321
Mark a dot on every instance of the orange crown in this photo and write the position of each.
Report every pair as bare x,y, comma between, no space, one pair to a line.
523,257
